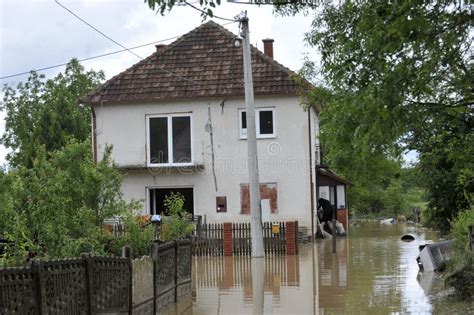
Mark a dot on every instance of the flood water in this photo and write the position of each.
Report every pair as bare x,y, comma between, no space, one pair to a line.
373,272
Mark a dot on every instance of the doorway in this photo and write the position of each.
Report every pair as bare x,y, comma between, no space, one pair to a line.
156,198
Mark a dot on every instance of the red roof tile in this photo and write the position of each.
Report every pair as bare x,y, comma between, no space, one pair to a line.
201,63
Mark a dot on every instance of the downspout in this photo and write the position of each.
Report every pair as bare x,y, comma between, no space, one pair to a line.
311,174
94,135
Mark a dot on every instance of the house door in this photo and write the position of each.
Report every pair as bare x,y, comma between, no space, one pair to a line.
156,198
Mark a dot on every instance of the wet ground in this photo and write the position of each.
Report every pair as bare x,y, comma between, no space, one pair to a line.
372,272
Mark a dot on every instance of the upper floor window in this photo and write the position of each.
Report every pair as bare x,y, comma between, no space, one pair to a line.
264,123
169,139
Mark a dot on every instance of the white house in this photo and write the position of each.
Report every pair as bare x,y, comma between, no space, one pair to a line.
176,121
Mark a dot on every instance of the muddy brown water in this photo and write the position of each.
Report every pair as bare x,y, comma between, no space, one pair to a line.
373,272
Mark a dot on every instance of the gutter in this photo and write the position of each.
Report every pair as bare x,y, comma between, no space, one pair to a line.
94,136
311,184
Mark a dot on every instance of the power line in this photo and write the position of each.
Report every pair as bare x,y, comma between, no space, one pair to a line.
97,30
88,58
125,48
104,55
114,41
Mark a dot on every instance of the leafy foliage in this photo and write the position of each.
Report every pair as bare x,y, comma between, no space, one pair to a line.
55,199
399,78
46,113
137,236
207,7
461,275
61,202
459,228
176,224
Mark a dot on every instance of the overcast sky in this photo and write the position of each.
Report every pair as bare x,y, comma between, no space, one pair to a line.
39,33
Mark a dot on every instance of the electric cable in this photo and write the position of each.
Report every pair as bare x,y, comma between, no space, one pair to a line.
87,58
97,30
104,55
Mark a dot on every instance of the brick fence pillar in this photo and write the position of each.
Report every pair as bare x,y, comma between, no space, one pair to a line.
228,241
297,250
290,238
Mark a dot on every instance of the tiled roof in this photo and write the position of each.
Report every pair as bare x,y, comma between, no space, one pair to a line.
201,63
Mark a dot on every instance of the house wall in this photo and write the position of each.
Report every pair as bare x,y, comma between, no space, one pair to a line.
283,160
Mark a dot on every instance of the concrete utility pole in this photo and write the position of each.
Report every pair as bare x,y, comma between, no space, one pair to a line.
254,182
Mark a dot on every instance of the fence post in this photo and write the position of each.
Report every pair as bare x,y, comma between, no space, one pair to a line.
40,290
88,272
127,253
176,271
290,238
228,242
154,257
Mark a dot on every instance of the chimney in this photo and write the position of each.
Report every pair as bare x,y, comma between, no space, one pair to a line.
268,47
159,47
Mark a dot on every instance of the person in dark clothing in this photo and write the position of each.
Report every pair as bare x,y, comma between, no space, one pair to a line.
325,210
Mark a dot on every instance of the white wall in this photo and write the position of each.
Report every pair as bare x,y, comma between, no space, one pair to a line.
283,159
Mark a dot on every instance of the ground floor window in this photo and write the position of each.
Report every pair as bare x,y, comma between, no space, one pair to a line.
156,198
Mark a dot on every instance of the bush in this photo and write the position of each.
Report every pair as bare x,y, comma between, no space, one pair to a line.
56,208
459,235
176,224
138,236
461,275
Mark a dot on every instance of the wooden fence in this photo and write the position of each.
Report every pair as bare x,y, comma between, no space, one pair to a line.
95,285
236,271
210,240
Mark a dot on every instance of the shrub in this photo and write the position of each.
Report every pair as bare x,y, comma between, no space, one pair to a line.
138,236
176,224
461,275
459,235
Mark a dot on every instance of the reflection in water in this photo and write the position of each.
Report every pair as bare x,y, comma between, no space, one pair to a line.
372,272
226,285
258,278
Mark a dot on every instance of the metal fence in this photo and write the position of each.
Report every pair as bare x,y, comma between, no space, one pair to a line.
96,285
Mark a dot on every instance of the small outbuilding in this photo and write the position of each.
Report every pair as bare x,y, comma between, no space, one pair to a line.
333,188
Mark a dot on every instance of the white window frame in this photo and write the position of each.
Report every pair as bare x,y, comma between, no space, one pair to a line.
243,134
170,139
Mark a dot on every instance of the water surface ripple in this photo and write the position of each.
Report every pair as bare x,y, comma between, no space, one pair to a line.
373,272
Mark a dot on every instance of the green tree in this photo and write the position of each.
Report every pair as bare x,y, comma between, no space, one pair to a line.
284,7
400,78
46,113
61,202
